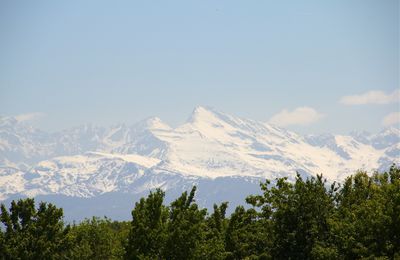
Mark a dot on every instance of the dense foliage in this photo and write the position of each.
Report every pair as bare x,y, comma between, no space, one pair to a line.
305,219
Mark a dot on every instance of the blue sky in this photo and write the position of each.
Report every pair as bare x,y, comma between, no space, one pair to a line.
293,63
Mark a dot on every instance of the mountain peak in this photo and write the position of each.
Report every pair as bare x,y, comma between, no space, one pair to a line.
202,109
154,123
391,130
201,113
8,121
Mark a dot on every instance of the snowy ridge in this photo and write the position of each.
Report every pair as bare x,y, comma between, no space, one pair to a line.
88,161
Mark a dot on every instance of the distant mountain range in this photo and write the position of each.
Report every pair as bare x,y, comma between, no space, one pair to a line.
102,171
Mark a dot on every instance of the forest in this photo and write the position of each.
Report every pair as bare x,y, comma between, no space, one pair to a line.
304,219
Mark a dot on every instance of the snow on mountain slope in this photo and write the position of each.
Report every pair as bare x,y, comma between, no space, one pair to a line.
146,162
21,143
213,144
142,140
12,181
87,161
388,137
354,154
86,175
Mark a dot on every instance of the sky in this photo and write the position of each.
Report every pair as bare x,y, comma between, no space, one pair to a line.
309,66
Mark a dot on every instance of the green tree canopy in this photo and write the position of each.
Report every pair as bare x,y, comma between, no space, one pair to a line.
147,235
32,233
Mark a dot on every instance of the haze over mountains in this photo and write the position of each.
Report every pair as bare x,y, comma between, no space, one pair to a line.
90,167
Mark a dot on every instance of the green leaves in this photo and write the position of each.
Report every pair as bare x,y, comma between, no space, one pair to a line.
247,234
147,235
368,215
297,215
180,231
31,233
186,226
98,239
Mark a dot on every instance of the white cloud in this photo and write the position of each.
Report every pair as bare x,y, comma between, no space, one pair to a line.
299,116
29,116
372,97
391,119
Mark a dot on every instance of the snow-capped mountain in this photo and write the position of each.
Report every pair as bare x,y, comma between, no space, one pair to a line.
227,155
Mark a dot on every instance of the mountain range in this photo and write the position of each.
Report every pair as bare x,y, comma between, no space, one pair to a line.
91,170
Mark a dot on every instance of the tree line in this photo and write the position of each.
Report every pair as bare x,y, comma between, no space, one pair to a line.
304,219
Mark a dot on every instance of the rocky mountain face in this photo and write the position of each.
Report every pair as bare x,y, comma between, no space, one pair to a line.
224,155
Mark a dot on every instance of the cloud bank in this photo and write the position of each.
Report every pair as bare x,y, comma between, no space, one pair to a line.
372,97
298,116
391,119
29,116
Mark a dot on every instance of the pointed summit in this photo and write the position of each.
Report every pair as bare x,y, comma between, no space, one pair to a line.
386,137
209,117
201,113
8,121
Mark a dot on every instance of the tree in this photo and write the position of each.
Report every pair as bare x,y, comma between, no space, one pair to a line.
299,216
147,235
3,247
212,245
185,228
368,217
247,236
33,234
95,239
392,210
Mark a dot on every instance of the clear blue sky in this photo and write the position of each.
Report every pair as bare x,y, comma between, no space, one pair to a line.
106,62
